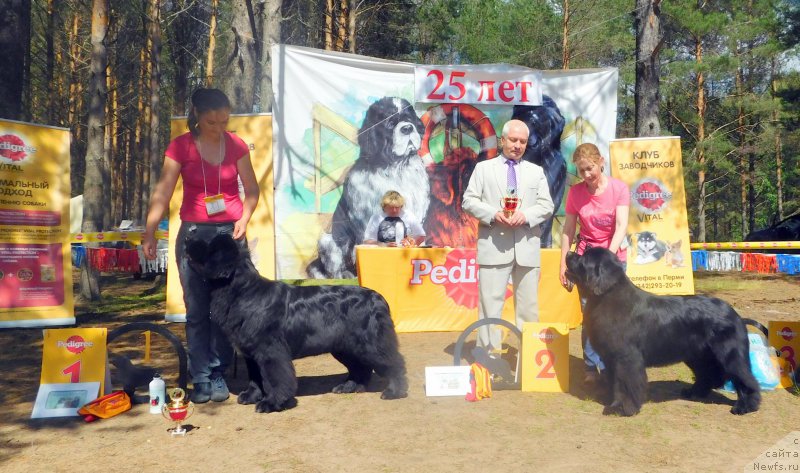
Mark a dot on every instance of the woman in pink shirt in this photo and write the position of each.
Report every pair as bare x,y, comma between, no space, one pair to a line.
600,203
211,162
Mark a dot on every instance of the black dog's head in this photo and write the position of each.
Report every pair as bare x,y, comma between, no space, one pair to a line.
217,259
391,131
545,124
595,272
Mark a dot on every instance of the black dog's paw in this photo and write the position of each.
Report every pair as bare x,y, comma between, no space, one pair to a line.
251,395
741,408
391,394
348,387
265,406
619,409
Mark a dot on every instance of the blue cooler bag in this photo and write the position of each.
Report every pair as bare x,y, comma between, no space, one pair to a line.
764,368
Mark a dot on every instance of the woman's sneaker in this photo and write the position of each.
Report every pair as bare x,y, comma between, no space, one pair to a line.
201,393
219,390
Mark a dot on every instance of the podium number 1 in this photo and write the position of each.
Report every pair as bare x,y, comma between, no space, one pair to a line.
74,372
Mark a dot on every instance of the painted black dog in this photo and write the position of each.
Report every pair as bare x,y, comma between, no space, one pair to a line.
632,329
272,323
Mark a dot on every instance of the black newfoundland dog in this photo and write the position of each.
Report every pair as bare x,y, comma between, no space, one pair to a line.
272,323
389,139
632,329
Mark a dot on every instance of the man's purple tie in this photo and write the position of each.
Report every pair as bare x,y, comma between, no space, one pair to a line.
512,175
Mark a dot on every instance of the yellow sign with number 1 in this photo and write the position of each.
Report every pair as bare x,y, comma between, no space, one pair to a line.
74,355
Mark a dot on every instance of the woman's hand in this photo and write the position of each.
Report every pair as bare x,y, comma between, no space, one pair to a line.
149,245
239,229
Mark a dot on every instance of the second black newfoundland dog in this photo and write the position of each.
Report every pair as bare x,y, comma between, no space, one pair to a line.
632,329
272,323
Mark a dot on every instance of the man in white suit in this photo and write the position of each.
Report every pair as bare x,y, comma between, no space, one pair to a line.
508,246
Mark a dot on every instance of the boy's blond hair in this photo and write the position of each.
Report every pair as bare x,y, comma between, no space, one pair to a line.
392,198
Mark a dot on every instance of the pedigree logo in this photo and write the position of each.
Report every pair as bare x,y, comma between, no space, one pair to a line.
75,344
13,149
547,336
650,196
458,275
787,333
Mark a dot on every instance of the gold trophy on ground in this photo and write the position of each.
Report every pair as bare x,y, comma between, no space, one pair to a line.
510,202
177,410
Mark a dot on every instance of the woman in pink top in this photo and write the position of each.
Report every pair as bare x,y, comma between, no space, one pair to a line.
601,204
211,163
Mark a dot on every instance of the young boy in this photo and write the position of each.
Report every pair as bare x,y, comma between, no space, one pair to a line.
394,226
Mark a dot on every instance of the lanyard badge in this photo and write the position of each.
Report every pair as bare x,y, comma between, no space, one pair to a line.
215,204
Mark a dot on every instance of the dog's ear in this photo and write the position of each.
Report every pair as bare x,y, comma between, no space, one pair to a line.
223,256
603,270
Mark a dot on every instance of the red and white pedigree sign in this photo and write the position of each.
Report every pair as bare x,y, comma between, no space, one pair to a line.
500,84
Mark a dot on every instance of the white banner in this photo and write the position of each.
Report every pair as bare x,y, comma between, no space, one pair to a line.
499,84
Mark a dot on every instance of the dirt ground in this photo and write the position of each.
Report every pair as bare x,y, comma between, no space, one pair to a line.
513,431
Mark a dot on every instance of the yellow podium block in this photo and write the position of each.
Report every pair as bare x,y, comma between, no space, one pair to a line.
785,337
545,357
74,355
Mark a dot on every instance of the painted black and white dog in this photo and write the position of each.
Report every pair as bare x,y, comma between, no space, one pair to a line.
389,138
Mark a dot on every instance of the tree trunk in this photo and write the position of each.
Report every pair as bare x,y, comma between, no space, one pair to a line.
93,191
341,24
242,58
565,27
154,31
648,44
270,35
15,32
50,62
701,136
352,15
778,144
740,131
212,45
329,12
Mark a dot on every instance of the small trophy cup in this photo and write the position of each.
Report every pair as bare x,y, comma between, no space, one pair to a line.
510,203
177,410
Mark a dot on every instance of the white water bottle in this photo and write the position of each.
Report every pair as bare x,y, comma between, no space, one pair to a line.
158,393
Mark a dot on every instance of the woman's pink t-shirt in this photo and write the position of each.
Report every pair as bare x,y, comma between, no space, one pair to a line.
193,208
597,214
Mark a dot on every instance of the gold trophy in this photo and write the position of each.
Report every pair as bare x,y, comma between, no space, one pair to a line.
510,203
177,410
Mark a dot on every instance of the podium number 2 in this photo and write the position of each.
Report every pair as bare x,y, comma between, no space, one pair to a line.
545,359
74,372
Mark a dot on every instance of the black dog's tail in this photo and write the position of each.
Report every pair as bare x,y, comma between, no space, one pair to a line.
738,366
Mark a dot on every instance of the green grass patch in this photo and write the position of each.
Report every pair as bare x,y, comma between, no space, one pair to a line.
715,283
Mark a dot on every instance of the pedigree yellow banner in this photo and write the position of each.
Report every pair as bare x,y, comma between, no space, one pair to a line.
436,289
659,257
256,131
785,337
35,262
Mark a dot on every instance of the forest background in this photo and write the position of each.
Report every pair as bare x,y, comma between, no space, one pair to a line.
722,75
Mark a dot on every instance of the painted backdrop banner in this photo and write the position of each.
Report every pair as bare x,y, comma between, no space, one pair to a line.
348,129
35,257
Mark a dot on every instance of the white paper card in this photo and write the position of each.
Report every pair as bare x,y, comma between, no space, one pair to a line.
447,380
